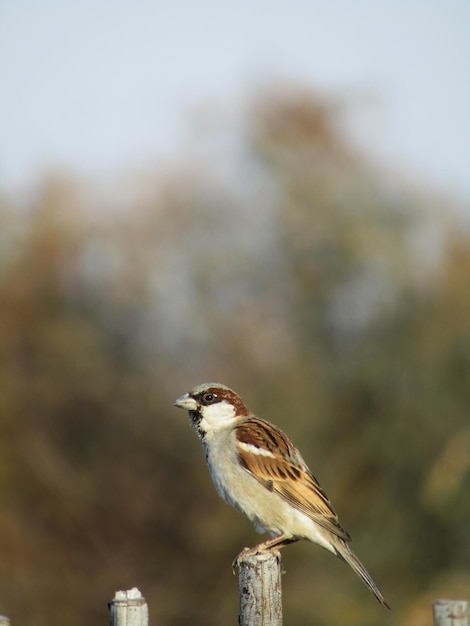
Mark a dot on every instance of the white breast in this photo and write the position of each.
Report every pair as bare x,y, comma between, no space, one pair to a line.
267,510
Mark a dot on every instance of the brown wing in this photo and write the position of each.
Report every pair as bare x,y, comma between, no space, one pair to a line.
270,457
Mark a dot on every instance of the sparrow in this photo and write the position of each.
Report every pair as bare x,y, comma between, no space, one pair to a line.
258,470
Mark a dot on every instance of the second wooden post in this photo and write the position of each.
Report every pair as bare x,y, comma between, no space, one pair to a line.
260,590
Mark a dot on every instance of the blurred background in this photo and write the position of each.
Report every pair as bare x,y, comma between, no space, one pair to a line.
270,196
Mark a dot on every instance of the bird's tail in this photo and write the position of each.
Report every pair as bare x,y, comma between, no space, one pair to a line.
345,553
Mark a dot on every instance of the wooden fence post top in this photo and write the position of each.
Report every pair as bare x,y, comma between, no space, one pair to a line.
259,579
130,594
128,608
450,612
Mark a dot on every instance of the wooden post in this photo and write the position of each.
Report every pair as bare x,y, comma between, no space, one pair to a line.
128,609
450,613
260,590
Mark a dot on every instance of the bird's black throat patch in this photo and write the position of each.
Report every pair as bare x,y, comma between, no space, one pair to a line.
195,418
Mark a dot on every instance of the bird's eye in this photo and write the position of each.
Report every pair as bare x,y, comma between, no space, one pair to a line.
209,398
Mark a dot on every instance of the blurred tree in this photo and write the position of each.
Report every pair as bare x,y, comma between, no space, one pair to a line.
333,298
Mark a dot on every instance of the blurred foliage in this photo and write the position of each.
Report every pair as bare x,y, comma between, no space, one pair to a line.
332,296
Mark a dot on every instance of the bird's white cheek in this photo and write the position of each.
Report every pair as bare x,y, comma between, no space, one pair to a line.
217,416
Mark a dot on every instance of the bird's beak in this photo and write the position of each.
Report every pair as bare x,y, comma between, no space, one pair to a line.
186,402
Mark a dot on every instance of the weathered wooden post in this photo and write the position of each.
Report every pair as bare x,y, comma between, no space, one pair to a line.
260,590
128,608
450,613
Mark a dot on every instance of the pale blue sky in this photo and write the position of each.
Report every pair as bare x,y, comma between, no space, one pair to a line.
93,85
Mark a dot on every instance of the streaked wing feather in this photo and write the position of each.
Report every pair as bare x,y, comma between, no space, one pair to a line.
285,473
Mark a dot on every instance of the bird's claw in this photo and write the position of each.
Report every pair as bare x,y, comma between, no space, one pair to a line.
259,549
244,553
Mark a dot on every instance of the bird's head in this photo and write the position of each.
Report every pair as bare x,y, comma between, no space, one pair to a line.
212,407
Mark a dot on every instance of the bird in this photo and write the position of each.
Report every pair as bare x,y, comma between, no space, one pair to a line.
257,469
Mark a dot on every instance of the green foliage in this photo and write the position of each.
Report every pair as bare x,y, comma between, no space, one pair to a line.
334,299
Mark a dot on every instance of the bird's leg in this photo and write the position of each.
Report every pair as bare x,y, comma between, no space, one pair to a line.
265,546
